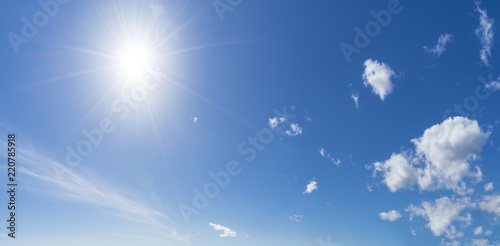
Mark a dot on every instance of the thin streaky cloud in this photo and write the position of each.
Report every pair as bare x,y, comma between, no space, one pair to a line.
440,47
485,34
56,179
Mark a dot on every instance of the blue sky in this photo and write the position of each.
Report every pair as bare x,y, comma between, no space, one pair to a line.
252,122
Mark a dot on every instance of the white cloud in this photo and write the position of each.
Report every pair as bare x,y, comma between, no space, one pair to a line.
355,97
313,185
274,122
444,154
49,176
323,152
491,204
447,149
442,214
279,125
478,230
485,34
227,232
294,130
440,47
296,217
488,186
397,172
195,119
493,85
481,242
378,76
488,232
392,215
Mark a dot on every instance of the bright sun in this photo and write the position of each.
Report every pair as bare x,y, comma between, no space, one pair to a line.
134,61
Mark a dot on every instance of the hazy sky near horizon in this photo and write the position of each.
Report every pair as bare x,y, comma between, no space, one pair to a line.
238,122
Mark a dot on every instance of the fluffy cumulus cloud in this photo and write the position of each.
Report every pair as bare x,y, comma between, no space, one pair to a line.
312,186
226,231
485,34
378,76
491,204
440,47
448,149
442,214
397,171
392,215
443,158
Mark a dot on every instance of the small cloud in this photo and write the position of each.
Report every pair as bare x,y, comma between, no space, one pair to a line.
294,130
195,119
296,217
323,152
478,230
313,185
440,47
247,236
392,215
279,125
227,232
480,242
355,97
488,186
274,122
308,118
493,85
485,34
378,76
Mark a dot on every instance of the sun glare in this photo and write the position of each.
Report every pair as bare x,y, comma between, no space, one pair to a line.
134,61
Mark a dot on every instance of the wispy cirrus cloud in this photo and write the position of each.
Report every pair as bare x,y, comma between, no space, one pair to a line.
355,97
323,152
485,34
439,48
55,179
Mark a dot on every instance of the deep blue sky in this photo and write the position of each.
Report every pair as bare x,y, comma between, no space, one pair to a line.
218,83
